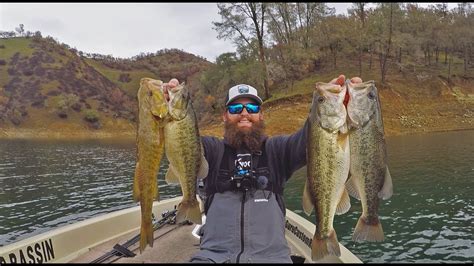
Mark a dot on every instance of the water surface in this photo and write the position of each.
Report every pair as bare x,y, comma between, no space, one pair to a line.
430,217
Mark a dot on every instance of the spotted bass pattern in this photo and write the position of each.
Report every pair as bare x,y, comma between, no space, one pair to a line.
184,152
327,166
152,113
370,179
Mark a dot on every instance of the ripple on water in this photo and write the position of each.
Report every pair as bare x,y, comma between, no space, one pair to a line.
429,218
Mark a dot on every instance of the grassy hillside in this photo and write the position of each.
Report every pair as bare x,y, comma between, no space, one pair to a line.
129,85
46,86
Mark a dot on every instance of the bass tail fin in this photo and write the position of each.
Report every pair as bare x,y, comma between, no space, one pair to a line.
189,211
146,235
371,232
322,247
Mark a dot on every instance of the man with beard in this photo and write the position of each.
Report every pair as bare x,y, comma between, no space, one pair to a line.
244,207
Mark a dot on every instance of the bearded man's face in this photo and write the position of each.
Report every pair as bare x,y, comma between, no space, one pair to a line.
244,130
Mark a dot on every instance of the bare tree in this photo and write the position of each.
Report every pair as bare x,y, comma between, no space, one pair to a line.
359,10
245,21
20,29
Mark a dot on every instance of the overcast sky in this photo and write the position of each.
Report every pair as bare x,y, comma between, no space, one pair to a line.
126,29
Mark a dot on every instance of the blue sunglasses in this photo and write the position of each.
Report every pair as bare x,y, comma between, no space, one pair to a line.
237,108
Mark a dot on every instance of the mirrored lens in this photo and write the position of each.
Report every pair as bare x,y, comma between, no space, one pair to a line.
235,108
238,108
252,108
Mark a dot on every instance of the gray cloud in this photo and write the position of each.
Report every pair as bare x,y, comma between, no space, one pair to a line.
122,29
126,29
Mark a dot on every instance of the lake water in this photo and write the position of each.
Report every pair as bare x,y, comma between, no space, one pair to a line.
430,217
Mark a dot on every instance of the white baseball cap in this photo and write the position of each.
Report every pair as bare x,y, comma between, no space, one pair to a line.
242,91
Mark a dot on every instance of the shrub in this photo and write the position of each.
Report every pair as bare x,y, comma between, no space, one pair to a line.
15,121
124,77
91,116
62,114
76,107
38,104
96,125
27,72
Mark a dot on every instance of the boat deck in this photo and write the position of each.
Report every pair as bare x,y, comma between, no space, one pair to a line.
173,244
95,240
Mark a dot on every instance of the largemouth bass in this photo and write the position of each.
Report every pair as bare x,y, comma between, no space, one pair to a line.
184,152
327,166
369,179
152,112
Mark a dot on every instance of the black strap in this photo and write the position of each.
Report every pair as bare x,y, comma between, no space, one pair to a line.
220,181
124,252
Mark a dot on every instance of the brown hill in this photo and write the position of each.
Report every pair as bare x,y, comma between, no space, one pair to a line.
47,86
50,90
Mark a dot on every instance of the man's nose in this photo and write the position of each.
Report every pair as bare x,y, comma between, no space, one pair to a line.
244,112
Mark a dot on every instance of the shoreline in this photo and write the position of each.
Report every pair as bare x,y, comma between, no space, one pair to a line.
127,135
64,135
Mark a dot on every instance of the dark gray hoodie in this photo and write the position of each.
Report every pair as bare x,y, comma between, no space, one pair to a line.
250,229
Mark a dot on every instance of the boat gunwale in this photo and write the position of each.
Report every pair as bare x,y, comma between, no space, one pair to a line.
127,220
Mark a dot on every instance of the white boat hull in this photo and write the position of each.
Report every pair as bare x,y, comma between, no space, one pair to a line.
70,242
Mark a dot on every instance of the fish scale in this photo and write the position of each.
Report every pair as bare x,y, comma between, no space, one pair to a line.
370,179
184,152
152,113
327,166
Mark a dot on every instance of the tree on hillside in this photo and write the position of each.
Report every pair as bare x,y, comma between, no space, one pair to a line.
295,51
463,33
442,21
360,12
383,26
247,22
309,16
331,34
282,27
20,30
7,34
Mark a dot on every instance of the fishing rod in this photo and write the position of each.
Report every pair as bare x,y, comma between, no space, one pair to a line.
168,217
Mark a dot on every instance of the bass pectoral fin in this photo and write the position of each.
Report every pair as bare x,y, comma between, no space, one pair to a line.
136,183
204,168
344,203
351,186
307,202
171,175
387,189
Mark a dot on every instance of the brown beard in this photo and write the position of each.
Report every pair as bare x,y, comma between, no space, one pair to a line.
250,140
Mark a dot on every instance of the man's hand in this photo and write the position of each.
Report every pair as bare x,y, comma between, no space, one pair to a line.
168,86
342,79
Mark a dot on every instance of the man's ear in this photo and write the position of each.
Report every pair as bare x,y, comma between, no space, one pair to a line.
224,116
